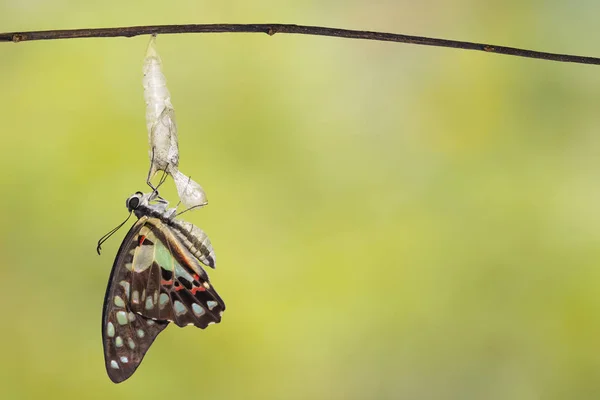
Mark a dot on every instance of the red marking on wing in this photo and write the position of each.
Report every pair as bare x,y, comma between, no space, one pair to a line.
142,238
198,289
196,277
169,282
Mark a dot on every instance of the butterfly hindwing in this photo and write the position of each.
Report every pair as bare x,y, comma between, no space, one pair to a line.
126,335
168,281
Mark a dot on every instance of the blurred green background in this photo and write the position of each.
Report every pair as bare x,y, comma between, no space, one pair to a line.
391,221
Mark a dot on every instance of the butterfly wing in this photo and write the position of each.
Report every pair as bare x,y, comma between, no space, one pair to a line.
126,335
168,281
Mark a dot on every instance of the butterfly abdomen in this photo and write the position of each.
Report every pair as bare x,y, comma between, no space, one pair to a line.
196,241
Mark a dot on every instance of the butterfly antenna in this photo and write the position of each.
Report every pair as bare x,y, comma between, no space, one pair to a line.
109,234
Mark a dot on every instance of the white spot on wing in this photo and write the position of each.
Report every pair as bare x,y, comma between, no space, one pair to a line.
119,301
125,285
110,329
122,317
149,303
163,299
179,308
197,309
143,258
211,304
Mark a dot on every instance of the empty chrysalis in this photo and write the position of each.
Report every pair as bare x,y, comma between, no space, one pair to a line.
162,130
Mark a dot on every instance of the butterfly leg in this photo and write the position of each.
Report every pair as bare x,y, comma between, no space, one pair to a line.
151,172
162,180
189,209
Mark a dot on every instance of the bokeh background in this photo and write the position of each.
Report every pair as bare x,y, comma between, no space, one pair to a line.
391,221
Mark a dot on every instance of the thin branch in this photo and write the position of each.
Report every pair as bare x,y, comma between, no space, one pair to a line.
272,29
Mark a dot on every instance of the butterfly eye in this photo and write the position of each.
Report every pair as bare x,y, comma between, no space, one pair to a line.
133,203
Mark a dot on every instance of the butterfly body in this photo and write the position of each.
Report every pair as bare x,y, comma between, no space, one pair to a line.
157,278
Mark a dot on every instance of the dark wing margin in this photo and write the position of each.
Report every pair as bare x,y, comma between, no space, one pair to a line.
126,335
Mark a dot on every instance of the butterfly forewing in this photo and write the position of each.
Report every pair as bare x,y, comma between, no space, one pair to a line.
157,278
168,281
126,335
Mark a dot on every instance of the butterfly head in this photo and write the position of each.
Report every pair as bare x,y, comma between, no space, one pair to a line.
143,203
134,201
133,204
139,204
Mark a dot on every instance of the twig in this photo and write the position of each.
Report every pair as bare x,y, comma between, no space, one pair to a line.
272,29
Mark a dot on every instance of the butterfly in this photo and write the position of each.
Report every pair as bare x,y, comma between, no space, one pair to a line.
157,278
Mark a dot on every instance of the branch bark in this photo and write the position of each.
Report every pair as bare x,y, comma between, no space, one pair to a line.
272,29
